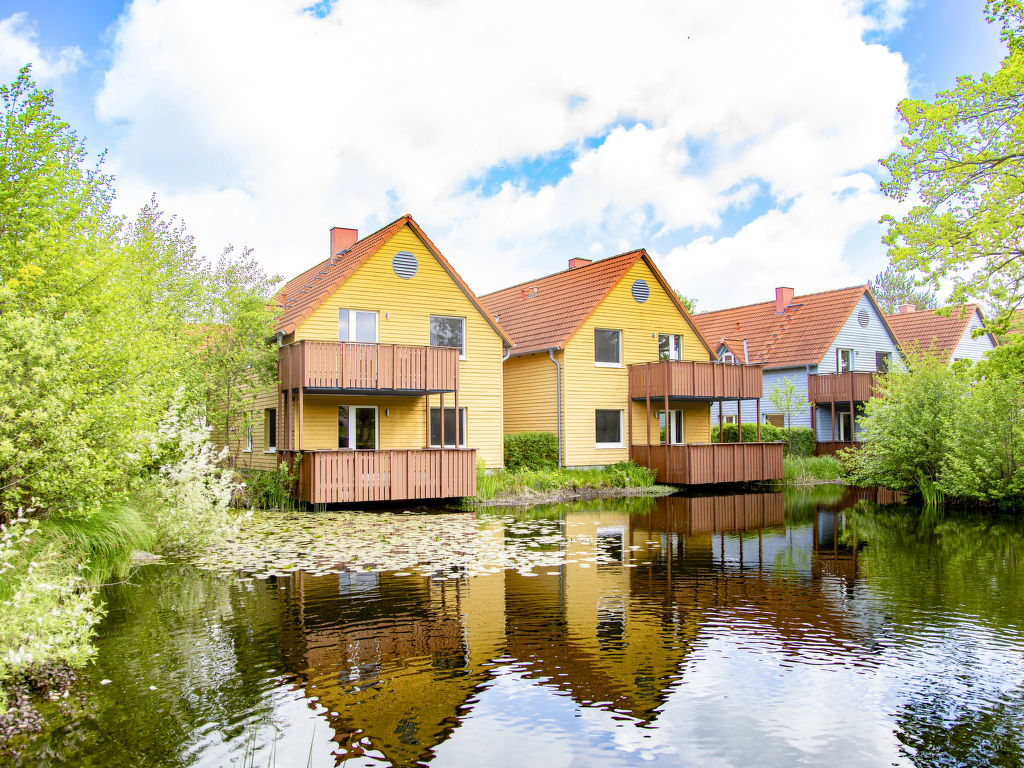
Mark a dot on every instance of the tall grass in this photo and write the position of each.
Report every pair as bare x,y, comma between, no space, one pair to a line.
805,470
103,541
511,482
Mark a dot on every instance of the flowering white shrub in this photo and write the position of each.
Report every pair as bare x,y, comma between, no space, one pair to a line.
194,490
48,614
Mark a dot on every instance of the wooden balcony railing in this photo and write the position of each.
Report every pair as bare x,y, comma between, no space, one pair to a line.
343,365
832,447
709,463
695,380
840,387
328,477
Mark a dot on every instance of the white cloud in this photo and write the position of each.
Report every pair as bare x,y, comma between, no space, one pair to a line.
18,47
263,125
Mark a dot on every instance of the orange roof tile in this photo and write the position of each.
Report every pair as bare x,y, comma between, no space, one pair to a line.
303,294
545,313
929,332
799,336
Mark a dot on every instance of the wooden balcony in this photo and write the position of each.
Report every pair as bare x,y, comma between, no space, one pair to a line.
694,380
832,447
840,387
340,366
711,463
329,477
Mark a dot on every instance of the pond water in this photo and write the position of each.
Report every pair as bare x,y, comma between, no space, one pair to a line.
755,629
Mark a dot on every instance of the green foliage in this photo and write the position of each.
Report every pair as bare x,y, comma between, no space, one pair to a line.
798,441
624,474
271,489
531,450
893,288
686,301
805,470
962,160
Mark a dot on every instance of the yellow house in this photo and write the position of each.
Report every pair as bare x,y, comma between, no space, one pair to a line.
601,352
389,375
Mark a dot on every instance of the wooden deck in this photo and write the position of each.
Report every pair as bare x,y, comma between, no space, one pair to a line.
831,448
840,387
711,463
694,380
692,516
391,368
330,477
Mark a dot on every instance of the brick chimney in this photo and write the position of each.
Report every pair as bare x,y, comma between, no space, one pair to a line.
783,298
907,308
577,262
342,238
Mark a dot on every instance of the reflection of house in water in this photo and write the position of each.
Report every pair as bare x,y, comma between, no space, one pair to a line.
401,659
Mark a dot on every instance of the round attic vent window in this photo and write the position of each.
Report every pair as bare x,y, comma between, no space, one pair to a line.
404,264
641,292
863,317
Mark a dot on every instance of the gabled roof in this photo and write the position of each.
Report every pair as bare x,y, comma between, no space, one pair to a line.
928,332
799,336
545,313
301,295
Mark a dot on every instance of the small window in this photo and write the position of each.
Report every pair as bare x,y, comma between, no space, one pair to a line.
728,357
608,429
449,428
729,419
670,346
270,429
882,360
775,419
357,427
248,439
448,332
675,424
607,347
844,360
355,325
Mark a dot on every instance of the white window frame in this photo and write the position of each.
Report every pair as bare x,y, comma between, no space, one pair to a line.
619,444
352,432
729,358
268,433
462,349
599,364
248,439
839,359
676,432
352,325
729,419
673,354
462,431
888,358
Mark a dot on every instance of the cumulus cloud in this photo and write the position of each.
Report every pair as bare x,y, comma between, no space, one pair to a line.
670,125
18,47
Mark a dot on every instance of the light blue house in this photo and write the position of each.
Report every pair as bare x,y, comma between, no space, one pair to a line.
828,345
959,336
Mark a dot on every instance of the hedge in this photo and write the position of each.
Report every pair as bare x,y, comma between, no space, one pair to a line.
801,438
531,450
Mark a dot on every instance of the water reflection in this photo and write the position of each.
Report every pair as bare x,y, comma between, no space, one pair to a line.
735,630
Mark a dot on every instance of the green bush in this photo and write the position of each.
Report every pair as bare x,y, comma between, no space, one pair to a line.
799,441
270,489
531,450
625,474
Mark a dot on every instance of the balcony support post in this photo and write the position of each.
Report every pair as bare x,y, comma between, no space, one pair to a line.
426,405
667,425
441,397
721,421
757,410
739,419
647,392
833,420
814,420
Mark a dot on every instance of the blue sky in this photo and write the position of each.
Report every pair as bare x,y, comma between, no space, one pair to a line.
740,148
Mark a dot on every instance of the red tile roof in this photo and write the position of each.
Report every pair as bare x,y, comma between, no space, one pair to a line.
303,294
799,336
928,332
545,313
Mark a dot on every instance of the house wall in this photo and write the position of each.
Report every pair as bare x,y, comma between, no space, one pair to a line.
772,378
529,393
589,387
864,342
972,349
258,458
404,308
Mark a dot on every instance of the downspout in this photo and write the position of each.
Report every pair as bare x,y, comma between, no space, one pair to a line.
558,400
746,355
508,354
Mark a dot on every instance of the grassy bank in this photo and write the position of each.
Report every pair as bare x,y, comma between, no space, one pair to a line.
811,470
522,485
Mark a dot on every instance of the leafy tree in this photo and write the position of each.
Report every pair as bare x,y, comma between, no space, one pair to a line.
686,301
789,400
893,288
962,163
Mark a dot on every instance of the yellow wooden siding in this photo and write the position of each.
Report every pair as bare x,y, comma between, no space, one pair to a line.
589,387
258,458
696,421
404,308
530,399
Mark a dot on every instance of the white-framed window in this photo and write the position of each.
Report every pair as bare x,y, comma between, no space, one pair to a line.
607,347
727,357
448,332
357,427
670,346
608,429
675,427
270,429
844,360
882,361
449,428
729,419
357,325
248,439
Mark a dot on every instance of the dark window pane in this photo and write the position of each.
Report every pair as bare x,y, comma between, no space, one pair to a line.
844,360
447,332
882,362
366,429
343,426
607,346
449,427
271,428
608,427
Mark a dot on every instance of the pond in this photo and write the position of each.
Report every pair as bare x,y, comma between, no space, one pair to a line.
753,629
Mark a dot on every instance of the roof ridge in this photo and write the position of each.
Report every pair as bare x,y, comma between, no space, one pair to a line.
593,263
772,301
